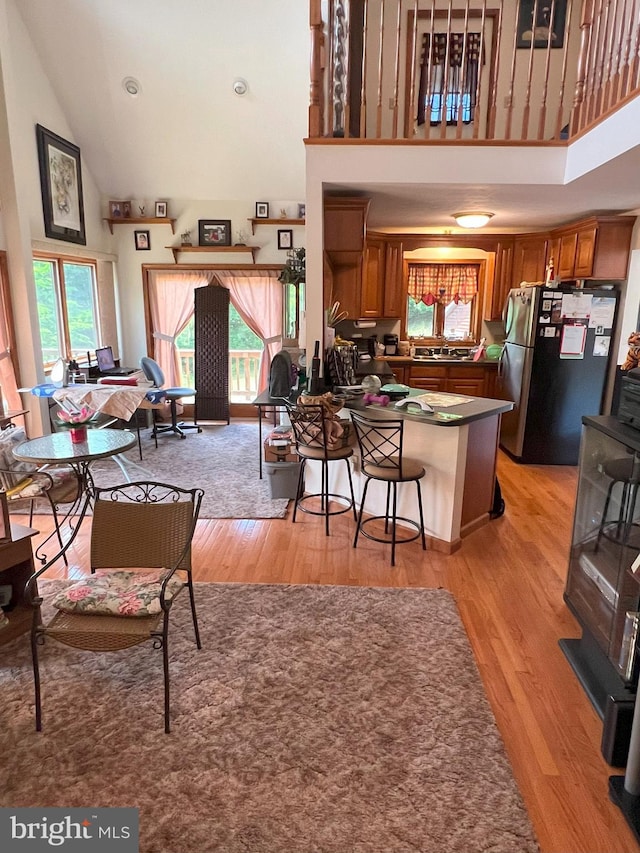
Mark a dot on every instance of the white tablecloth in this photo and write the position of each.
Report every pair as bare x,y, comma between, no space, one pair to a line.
119,401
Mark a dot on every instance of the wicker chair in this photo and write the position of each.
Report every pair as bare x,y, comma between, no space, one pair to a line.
140,561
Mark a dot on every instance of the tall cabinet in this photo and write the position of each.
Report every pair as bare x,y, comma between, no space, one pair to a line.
601,590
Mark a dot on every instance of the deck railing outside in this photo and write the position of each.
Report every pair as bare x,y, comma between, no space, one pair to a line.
243,373
470,70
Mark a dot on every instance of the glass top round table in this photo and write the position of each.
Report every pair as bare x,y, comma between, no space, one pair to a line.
58,446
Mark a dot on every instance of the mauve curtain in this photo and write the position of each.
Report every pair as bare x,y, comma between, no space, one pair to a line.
431,283
171,303
257,297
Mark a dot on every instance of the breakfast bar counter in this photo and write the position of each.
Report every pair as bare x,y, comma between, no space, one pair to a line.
458,445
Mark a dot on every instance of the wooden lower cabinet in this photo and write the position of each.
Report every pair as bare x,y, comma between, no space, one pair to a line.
470,381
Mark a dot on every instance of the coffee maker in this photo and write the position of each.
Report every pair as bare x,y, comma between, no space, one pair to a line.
390,344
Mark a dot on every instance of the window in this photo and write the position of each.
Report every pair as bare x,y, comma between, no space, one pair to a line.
441,300
67,307
448,78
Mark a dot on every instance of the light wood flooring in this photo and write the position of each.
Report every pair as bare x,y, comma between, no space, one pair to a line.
508,579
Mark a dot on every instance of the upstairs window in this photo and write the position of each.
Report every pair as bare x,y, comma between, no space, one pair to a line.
448,78
67,299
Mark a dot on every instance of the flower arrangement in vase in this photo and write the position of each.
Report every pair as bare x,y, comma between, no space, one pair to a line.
76,422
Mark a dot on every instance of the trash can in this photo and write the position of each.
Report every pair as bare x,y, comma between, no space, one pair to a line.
283,478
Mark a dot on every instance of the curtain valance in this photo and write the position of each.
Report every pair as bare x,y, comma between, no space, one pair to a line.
431,283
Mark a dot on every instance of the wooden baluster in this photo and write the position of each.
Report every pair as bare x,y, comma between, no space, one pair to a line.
316,88
476,111
332,66
603,27
346,65
608,63
380,72
623,80
527,95
363,83
635,67
493,97
542,118
563,75
592,65
409,121
616,68
507,131
394,129
445,72
430,72
463,66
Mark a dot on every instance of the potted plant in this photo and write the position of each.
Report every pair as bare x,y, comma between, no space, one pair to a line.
294,270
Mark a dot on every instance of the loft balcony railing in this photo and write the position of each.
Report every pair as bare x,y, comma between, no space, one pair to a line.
439,71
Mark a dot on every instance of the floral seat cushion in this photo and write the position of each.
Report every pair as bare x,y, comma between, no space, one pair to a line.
118,593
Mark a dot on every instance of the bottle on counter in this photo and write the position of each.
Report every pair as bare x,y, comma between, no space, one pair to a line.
412,350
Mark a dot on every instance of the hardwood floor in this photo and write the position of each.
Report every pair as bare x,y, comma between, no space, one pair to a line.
508,579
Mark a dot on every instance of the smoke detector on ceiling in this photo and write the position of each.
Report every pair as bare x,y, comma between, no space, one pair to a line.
131,86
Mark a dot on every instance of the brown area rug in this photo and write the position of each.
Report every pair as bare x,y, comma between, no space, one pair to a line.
315,718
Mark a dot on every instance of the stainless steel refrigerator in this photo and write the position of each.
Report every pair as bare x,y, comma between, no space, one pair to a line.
554,366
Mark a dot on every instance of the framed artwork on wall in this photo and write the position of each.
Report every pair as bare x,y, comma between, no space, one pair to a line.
61,187
285,238
543,31
142,240
214,232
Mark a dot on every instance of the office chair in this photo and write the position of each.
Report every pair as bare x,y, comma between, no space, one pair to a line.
153,372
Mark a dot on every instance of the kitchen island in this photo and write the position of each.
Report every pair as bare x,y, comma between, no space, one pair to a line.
458,446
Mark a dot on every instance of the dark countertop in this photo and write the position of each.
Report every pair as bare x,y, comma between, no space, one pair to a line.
375,367
406,361
476,409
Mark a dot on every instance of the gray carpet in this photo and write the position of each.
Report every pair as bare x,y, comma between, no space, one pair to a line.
222,460
315,719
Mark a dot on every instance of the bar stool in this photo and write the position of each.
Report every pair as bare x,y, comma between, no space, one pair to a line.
626,471
380,443
316,439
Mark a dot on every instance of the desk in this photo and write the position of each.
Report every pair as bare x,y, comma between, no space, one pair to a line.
58,449
262,402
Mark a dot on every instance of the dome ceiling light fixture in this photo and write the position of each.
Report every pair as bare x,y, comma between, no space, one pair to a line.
240,86
472,218
131,86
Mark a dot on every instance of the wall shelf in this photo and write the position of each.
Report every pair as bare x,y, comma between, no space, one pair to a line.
255,222
235,249
145,220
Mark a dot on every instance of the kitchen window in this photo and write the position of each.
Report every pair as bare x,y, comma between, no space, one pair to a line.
441,301
66,294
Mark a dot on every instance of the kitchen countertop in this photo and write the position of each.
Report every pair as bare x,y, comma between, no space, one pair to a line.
431,361
468,410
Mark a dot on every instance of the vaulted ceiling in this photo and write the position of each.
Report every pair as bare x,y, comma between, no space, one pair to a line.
188,135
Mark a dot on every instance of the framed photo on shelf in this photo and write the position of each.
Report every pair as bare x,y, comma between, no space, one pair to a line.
543,31
285,238
126,209
61,187
115,209
142,240
262,210
161,209
302,209
214,232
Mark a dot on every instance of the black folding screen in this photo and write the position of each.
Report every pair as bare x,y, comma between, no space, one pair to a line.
212,352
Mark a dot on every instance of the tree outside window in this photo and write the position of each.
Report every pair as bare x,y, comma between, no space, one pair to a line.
67,308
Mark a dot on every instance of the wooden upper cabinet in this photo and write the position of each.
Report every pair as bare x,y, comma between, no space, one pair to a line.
394,290
502,280
372,293
529,259
345,223
565,262
596,248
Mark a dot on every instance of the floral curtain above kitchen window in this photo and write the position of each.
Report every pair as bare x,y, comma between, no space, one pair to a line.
448,77
444,283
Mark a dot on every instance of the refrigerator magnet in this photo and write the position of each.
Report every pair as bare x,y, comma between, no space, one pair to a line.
573,340
601,345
